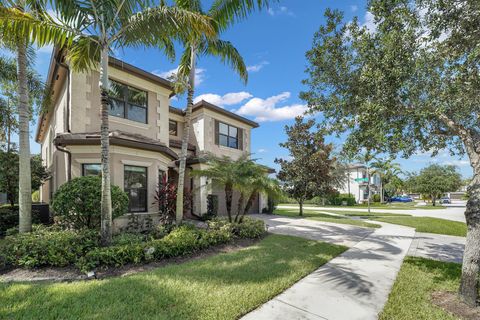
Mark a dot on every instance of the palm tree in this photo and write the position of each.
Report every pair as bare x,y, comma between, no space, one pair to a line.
90,30
224,13
386,169
257,182
225,172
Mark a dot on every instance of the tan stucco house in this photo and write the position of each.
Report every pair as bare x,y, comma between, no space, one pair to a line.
145,136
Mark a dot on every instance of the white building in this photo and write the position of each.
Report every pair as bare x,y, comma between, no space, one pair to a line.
358,187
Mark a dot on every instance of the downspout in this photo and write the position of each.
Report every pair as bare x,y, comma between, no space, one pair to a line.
60,148
69,160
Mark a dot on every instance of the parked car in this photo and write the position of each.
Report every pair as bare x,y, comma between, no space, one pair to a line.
401,199
445,200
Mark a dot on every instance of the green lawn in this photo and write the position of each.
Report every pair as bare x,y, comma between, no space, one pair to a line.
315,215
429,225
417,279
393,206
224,286
365,213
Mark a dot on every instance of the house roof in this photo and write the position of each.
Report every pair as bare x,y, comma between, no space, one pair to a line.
178,144
207,105
118,138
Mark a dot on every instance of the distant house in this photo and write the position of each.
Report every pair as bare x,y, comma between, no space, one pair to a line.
145,135
357,185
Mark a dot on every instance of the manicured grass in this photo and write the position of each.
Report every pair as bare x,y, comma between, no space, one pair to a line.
417,279
392,206
318,216
429,225
224,286
365,213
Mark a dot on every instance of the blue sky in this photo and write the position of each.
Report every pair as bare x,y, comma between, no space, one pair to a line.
273,43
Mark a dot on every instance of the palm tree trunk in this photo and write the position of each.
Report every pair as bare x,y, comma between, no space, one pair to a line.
106,204
185,138
469,284
300,203
228,200
241,200
433,200
25,178
249,204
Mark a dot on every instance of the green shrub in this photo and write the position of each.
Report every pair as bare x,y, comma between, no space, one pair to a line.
9,219
77,203
376,198
249,228
161,230
340,199
47,246
128,239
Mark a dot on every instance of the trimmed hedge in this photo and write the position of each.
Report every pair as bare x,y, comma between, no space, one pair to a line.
51,246
47,246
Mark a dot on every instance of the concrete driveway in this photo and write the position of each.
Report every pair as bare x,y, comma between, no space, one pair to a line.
454,212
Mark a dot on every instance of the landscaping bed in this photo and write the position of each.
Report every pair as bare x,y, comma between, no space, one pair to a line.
54,247
222,286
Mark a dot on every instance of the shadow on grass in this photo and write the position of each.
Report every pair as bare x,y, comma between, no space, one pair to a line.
443,271
224,286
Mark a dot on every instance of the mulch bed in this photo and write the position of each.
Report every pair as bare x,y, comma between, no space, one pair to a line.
73,274
450,302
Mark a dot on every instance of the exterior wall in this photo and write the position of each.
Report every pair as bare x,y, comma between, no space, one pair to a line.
86,106
204,120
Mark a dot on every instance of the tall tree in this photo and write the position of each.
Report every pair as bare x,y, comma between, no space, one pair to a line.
224,13
311,170
435,180
410,83
91,30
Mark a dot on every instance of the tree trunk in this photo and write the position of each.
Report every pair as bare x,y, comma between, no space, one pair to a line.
471,257
185,138
241,200
106,204
25,177
433,200
382,198
249,204
300,203
228,200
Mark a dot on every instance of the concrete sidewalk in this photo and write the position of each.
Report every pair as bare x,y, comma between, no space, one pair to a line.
438,247
354,285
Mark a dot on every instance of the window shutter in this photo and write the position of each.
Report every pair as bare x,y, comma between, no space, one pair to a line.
240,139
216,132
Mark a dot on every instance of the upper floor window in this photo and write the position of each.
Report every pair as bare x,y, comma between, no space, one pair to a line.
228,135
128,102
173,127
91,169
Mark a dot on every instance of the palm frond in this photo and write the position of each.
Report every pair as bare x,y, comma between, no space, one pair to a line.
15,23
228,55
154,26
227,12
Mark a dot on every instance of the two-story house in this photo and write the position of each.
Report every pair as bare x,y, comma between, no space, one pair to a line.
145,134
356,182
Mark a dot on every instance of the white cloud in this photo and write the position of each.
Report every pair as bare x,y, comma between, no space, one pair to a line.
369,22
199,74
228,99
354,8
257,67
280,11
262,150
267,110
458,163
